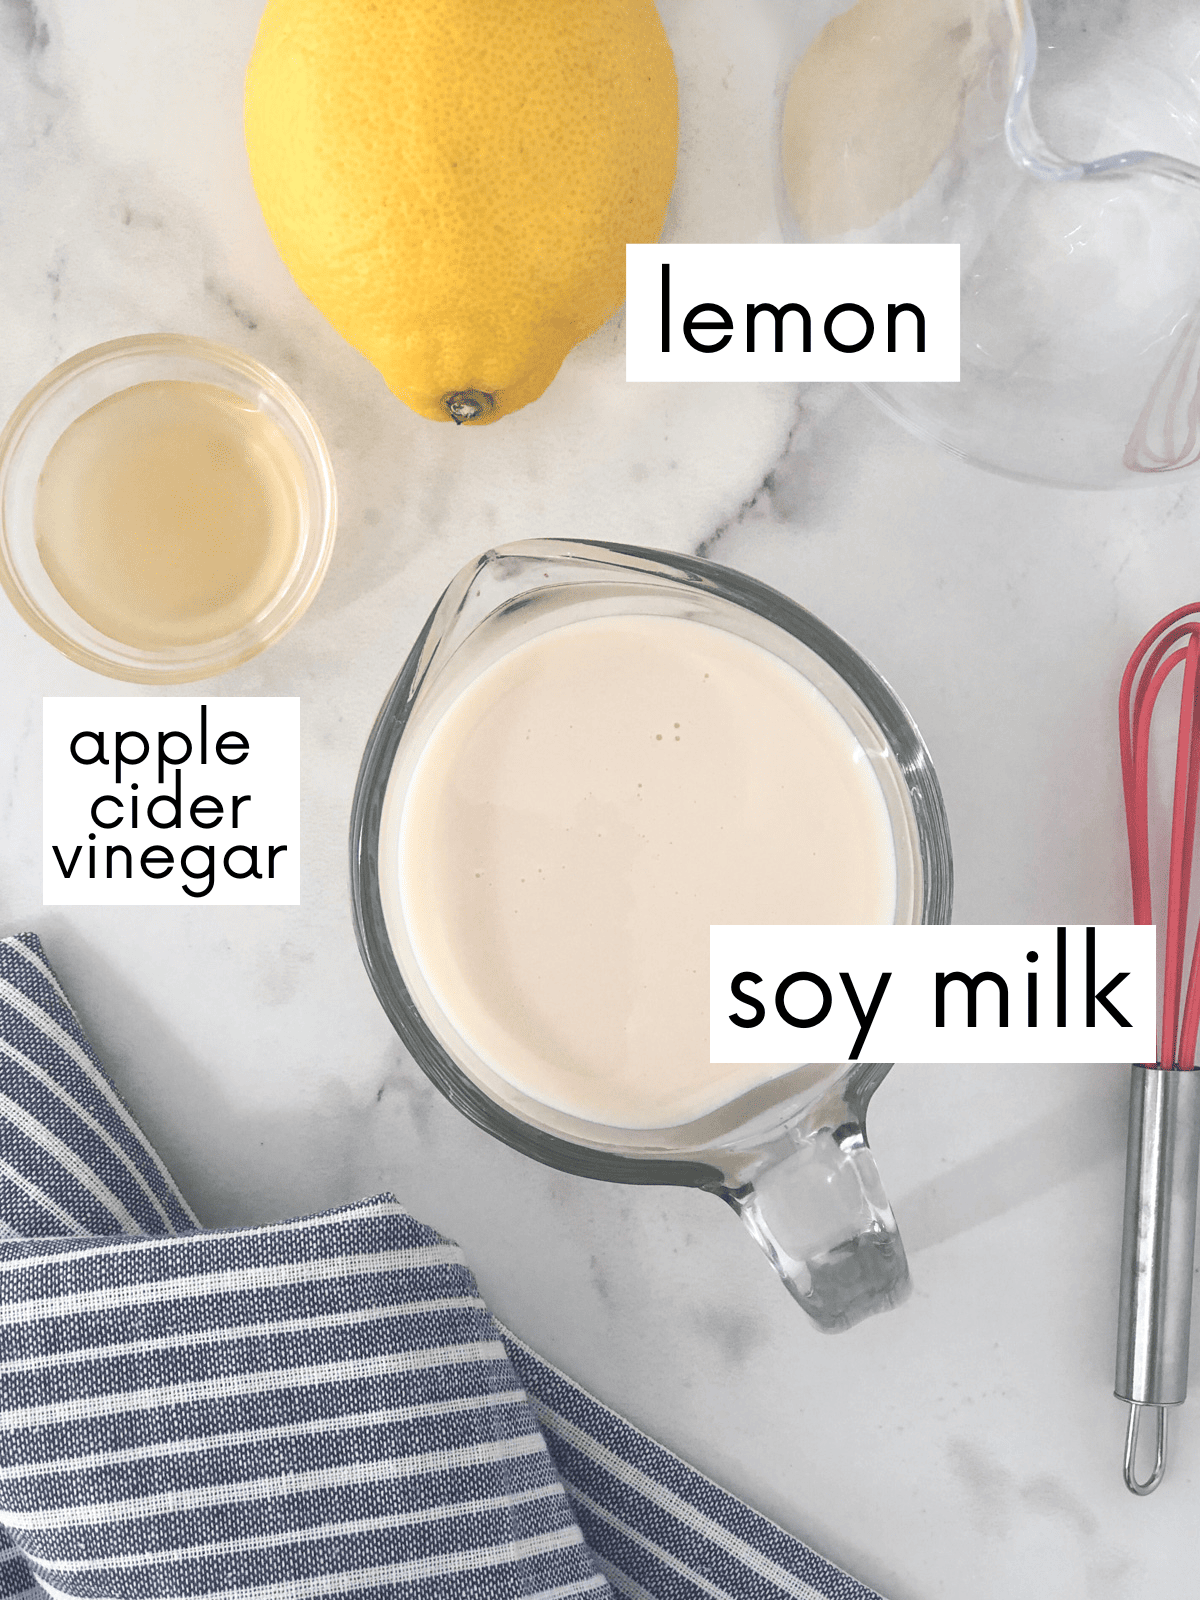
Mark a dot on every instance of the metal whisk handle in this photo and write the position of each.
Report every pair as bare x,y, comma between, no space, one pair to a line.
1157,1253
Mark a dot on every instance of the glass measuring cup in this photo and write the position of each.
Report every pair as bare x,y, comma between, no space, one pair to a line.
791,1155
917,120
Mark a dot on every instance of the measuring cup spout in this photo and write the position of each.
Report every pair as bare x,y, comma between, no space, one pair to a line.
817,1207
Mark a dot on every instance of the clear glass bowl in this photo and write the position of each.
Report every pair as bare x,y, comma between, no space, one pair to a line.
913,120
73,389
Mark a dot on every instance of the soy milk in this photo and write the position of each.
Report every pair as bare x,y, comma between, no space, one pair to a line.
581,814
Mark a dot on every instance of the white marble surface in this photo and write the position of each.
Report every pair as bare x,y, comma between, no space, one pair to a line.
966,1445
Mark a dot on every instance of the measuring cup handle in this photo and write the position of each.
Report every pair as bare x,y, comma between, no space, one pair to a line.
819,1211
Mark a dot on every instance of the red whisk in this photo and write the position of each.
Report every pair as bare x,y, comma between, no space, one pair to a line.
1164,1103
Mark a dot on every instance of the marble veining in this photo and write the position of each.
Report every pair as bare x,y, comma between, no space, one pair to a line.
968,1444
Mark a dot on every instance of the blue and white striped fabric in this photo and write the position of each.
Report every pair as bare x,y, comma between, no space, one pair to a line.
655,1526
321,1407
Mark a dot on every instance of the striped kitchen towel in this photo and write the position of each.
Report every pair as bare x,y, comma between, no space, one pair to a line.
316,1408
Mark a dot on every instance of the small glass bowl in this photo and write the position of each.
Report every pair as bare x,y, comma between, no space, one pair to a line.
73,389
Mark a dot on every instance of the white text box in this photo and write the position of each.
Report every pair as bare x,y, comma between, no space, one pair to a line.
934,994
807,313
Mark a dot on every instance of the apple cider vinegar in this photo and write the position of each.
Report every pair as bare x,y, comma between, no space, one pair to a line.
170,514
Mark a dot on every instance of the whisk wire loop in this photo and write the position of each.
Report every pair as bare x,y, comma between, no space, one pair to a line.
1151,664
1134,727
1191,1010
1156,673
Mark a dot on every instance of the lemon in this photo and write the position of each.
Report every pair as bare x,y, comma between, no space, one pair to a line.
453,182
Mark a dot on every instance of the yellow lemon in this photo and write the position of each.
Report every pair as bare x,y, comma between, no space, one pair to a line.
453,182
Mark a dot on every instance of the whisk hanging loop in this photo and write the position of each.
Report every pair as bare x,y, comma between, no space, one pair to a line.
1132,1482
